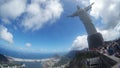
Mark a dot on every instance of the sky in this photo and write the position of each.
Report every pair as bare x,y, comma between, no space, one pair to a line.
43,25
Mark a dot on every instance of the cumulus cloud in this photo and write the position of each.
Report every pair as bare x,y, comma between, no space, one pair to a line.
83,2
39,12
11,9
111,34
35,14
108,11
28,44
5,35
79,43
108,34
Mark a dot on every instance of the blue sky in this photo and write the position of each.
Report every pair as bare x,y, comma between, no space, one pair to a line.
51,37
34,28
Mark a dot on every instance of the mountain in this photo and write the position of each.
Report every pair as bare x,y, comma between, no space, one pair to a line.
71,54
77,61
3,58
56,56
66,58
90,59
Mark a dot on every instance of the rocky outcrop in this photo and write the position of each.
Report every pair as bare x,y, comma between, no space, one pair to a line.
3,58
90,59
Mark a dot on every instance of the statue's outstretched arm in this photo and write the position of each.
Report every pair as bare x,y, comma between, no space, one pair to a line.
89,7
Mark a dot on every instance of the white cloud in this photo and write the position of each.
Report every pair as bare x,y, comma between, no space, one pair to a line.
108,11
28,44
40,12
36,14
11,9
83,2
111,34
80,43
108,34
5,35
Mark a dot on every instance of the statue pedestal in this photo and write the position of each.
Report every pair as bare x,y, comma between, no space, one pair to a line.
95,40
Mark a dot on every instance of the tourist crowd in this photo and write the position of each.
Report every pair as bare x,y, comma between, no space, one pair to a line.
112,48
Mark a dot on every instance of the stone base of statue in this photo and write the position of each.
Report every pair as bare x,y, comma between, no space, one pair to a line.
95,40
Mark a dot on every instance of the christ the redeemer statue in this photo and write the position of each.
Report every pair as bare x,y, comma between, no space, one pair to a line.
94,38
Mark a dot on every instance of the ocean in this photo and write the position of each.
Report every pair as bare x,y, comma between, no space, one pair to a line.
32,64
